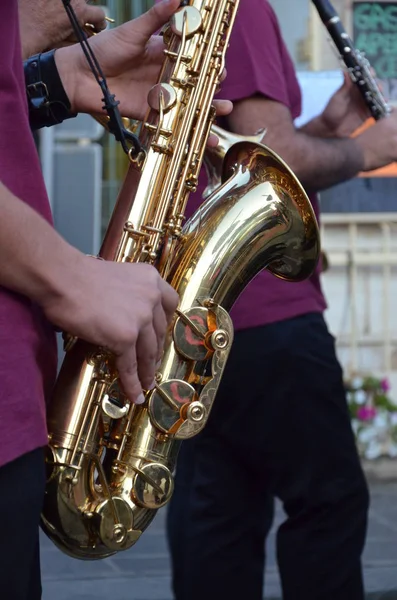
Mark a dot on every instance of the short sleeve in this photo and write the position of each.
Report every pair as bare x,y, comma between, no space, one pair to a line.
256,57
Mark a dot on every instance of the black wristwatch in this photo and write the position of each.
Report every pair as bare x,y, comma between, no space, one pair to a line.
47,100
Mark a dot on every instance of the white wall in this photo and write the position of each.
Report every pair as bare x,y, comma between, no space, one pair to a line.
294,21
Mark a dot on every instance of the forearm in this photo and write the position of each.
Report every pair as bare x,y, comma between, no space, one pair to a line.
34,260
28,49
31,39
44,24
319,163
316,128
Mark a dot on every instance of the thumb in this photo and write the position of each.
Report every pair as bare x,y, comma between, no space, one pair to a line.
347,81
154,19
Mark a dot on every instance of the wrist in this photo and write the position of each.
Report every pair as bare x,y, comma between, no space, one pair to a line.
67,289
31,41
65,60
27,47
362,153
54,279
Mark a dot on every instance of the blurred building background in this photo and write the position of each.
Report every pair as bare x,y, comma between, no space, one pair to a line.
84,168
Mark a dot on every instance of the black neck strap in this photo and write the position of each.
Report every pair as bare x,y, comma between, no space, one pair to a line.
129,142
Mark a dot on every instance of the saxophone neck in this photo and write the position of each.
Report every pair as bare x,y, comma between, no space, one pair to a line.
214,156
228,138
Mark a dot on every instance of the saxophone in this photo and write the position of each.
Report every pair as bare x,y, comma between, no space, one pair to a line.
214,157
110,462
357,65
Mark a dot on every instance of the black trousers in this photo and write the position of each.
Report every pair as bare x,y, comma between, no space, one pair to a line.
279,428
22,485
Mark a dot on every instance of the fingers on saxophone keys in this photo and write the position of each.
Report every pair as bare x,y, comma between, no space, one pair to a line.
137,365
221,79
160,327
212,141
223,75
169,300
223,107
127,366
147,356
95,17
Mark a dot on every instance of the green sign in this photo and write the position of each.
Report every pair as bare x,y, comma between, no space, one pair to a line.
375,33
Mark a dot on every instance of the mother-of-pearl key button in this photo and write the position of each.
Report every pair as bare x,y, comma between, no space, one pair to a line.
164,93
191,16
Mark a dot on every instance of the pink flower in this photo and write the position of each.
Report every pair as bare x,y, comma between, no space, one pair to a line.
385,384
366,413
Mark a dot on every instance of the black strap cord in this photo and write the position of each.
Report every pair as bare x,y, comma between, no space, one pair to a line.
110,104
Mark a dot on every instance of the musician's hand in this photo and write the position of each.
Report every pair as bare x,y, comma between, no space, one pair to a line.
378,143
123,307
130,56
345,111
44,24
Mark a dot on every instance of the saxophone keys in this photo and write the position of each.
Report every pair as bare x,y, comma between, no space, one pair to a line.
194,417
187,21
116,529
191,334
114,407
153,486
162,95
220,339
186,413
196,412
169,402
166,133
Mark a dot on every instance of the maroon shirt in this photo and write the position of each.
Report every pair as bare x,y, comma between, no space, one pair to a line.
258,62
27,343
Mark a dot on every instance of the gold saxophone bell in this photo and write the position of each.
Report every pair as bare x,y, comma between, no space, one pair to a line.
268,194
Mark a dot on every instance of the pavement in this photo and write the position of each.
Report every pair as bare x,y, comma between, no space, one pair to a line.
143,572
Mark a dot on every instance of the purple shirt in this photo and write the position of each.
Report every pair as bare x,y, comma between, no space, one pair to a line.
27,342
258,62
